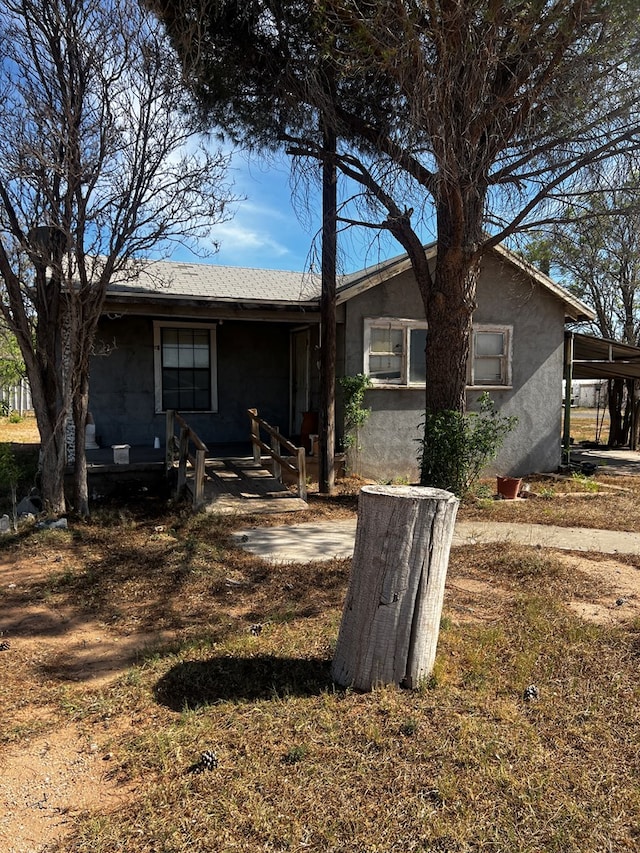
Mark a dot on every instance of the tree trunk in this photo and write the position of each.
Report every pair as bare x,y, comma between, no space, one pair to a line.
449,318
391,617
80,485
619,412
52,428
53,459
452,300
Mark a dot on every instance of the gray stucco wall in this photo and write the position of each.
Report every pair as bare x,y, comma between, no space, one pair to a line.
505,297
252,370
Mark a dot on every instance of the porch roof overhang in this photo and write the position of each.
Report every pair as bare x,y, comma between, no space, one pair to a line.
599,358
149,305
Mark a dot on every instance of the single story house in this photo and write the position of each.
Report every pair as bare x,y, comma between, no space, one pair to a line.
212,341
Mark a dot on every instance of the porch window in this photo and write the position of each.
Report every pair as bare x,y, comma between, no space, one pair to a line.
490,358
185,374
394,351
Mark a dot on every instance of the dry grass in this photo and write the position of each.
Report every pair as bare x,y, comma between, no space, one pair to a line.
240,666
235,659
589,425
23,431
602,501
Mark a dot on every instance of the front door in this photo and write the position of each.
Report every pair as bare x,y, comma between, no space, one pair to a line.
300,352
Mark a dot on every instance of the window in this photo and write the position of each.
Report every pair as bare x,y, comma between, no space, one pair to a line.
490,358
185,367
394,351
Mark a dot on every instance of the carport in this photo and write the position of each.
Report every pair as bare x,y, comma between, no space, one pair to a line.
589,357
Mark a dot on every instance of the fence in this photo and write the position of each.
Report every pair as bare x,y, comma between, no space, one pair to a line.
17,398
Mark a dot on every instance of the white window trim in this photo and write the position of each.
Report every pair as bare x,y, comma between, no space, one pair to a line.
508,356
158,325
406,326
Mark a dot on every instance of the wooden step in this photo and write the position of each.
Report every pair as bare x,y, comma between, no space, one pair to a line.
241,486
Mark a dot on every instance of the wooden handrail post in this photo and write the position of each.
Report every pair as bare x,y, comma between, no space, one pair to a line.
275,450
182,460
198,486
302,474
255,435
169,430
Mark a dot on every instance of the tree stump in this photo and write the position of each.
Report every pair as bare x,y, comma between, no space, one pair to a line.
391,619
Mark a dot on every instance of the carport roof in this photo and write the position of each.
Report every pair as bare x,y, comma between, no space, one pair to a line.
599,358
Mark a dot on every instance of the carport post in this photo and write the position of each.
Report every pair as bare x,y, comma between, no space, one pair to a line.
568,377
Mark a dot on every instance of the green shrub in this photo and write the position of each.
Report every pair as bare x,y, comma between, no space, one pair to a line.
456,447
355,416
355,413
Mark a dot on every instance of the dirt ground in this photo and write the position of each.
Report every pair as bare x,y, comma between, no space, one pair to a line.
48,780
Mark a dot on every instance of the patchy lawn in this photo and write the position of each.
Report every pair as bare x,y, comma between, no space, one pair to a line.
141,640
603,501
21,430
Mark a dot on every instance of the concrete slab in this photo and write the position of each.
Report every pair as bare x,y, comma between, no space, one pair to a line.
616,462
302,543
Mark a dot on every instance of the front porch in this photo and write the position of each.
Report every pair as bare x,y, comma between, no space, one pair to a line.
234,483
145,458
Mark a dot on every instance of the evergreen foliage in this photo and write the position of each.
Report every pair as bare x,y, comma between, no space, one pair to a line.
472,118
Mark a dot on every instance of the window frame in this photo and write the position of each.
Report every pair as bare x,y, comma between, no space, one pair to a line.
406,326
506,358
211,328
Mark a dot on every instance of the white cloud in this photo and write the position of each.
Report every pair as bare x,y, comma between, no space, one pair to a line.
235,236
264,231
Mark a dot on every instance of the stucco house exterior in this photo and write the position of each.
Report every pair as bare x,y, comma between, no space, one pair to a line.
212,341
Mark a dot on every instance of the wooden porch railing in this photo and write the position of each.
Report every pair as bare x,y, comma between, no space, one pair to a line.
180,449
273,449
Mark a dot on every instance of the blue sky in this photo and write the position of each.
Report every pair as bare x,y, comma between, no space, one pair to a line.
265,231
268,231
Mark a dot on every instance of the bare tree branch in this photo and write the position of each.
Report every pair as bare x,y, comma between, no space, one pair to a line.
99,164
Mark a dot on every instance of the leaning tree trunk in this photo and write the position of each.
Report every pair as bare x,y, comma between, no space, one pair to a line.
391,617
450,304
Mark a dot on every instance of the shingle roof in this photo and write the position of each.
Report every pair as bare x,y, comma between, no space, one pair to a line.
220,283
193,281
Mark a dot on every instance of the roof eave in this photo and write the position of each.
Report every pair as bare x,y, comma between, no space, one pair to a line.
574,309
178,299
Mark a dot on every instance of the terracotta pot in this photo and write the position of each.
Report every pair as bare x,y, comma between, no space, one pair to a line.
508,487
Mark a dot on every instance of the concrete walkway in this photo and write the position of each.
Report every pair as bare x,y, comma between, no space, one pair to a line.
302,543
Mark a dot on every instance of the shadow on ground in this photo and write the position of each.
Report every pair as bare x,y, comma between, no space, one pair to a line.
194,684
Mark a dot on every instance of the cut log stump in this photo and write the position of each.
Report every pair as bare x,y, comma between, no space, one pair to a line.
391,618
